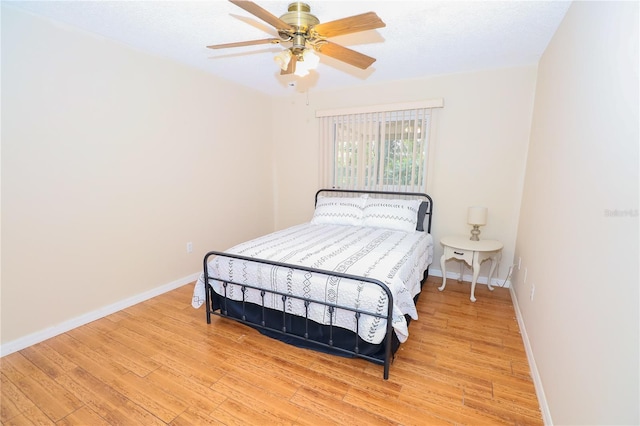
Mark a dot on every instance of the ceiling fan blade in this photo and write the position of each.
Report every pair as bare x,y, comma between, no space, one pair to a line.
291,68
263,14
352,24
245,43
345,54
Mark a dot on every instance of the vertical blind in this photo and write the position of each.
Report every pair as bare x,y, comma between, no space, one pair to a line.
376,150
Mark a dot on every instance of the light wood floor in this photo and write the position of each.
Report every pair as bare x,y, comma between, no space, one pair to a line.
159,363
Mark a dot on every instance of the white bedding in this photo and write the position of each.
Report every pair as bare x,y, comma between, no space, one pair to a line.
396,258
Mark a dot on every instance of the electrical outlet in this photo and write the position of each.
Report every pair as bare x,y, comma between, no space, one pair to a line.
189,247
519,262
533,290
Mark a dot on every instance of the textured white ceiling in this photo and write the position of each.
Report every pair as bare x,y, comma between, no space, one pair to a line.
421,38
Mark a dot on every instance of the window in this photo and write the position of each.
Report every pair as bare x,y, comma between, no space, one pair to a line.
377,149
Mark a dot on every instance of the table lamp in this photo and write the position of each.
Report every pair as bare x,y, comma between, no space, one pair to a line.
476,216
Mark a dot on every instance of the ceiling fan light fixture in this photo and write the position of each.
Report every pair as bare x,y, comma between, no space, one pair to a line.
301,71
283,58
307,62
311,59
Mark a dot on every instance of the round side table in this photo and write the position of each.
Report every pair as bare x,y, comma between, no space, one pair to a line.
473,253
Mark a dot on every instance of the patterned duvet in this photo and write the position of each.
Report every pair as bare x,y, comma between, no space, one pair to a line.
396,258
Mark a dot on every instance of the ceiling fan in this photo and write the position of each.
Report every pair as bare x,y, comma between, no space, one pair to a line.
306,34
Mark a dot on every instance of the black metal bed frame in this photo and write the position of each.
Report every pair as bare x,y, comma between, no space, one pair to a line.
223,301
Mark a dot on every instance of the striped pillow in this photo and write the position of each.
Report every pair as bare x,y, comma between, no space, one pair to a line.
401,215
339,211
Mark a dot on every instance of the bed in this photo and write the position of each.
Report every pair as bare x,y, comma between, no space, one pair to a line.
345,283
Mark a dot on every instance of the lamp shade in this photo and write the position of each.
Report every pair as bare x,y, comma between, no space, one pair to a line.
477,215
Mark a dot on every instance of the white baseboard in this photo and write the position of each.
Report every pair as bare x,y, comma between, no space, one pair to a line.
495,282
535,375
40,336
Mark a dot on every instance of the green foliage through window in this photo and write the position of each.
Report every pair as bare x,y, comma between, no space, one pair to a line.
381,150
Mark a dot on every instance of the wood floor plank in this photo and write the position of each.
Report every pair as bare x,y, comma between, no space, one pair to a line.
299,368
53,400
312,418
107,402
336,408
203,373
16,365
395,410
239,413
259,401
13,401
450,410
83,416
125,356
138,342
435,388
200,397
104,325
194,416
88,359
520,368
31,416
48,360
159,363
509,413
148,395
276,384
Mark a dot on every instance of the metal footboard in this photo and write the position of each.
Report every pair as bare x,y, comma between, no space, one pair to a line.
283,330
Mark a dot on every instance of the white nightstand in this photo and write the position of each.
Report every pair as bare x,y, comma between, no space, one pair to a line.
473,253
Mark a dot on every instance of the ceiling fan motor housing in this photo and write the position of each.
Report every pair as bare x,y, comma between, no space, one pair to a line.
300,17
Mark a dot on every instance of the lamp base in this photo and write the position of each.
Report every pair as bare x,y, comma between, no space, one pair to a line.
475,232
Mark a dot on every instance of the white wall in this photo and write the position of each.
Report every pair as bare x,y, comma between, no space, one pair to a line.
112,160
478,156
583,162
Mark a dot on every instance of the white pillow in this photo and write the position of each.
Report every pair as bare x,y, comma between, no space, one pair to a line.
401,215
339,211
